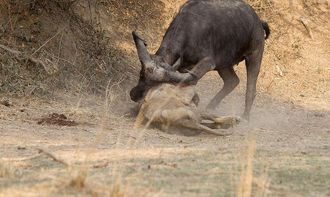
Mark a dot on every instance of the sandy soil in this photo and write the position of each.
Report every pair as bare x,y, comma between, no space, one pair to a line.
283,151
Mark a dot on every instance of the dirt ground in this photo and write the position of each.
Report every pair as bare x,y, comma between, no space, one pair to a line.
77,142
283,151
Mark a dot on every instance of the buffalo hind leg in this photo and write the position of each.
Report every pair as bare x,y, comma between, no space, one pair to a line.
230,80
253,63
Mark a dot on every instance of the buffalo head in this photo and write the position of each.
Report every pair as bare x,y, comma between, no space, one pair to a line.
154,70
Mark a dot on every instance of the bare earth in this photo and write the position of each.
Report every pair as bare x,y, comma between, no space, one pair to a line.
74,144
283,151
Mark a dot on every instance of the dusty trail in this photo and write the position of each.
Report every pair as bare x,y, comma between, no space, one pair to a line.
283,151
291,156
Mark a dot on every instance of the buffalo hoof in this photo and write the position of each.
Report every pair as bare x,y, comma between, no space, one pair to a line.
245,118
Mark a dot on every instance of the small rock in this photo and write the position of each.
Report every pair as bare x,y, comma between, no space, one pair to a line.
6,103
21,148
319,115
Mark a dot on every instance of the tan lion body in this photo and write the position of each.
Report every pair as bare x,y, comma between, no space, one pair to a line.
170,106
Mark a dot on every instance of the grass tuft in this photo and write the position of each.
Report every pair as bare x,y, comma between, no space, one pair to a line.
116,190
79,180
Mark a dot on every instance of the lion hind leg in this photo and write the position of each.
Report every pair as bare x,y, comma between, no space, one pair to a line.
226,122
218,132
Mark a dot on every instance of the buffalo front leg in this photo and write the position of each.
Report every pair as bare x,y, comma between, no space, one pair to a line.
253,63
205,65
192,77
230,80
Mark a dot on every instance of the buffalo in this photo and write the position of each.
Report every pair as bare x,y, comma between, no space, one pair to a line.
206,35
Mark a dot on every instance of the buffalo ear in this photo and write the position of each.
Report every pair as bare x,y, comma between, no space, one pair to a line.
177,64
159,61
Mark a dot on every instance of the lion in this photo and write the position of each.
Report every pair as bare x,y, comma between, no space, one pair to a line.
175,108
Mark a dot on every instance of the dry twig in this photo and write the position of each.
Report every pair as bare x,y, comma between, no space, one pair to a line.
52,156
36,61
304,22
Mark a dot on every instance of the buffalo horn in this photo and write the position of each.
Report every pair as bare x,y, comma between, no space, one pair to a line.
143,54
154,72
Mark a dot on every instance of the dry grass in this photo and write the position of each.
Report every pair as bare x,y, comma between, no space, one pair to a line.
116,190
6,171
249,184
63,50
155,163
244,188
78,181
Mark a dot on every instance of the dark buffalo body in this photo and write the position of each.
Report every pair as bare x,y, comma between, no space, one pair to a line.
227,30
209,35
